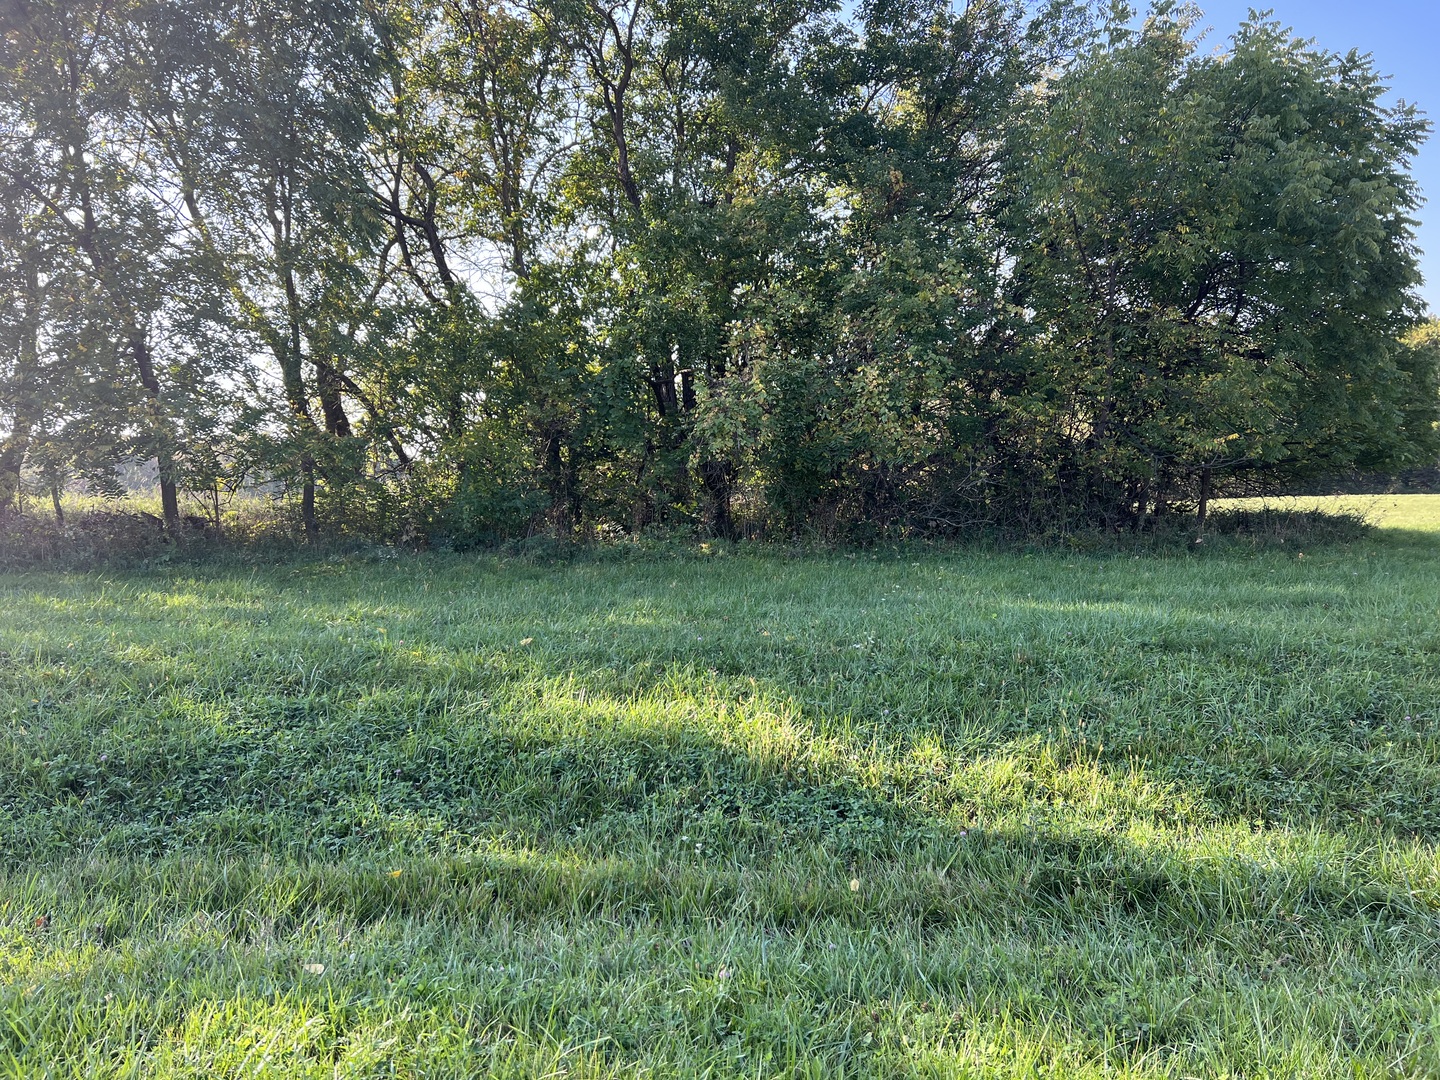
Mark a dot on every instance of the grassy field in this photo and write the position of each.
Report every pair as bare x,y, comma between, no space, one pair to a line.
939,814
1417,514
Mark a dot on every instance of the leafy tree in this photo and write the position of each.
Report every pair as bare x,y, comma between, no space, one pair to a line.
83,187
487,267
1214,265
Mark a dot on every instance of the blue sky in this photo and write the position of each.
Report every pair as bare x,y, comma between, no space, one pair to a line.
1404,38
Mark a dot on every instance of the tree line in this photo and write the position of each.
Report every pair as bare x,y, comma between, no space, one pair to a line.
481,268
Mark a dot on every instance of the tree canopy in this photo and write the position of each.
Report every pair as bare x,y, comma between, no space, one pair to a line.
480,268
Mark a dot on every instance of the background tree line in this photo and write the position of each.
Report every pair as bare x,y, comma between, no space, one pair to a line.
478,268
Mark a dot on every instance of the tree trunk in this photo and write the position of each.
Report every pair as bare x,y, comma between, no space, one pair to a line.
328,385
1204,509
169,494
25,411
564,492
164,457
12,459
1142,506
716,477
1162,497
307,500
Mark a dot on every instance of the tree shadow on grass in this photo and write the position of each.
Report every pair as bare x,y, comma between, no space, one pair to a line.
1250,724
1102,937
968,860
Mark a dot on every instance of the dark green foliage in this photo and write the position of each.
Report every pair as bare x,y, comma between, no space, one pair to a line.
1219,272
480,270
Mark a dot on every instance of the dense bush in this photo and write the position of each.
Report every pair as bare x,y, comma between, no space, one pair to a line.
477,272
84,540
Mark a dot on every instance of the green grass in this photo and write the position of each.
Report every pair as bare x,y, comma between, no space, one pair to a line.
1409,513
926,814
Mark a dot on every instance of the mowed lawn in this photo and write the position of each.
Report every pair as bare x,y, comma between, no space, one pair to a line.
916,813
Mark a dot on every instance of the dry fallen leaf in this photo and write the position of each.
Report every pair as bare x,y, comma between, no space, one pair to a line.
315,969
395,873
526,640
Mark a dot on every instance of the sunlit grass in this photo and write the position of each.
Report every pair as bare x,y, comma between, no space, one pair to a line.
913,813
1420,513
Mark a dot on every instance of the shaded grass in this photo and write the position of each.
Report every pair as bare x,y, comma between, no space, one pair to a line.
910,813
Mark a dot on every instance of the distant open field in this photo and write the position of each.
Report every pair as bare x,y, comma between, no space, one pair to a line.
1417,513
736,814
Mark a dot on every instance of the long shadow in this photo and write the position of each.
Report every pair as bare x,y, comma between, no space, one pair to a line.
1292,735
620,778
641,829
